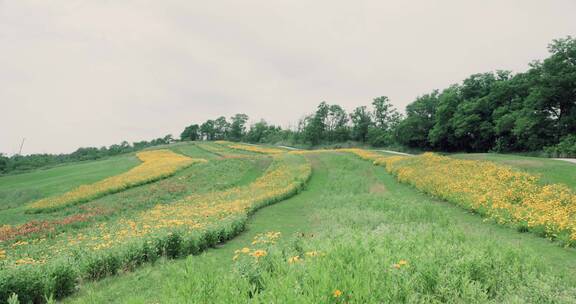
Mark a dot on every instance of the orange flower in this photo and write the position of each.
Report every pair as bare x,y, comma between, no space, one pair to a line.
337,293
259,253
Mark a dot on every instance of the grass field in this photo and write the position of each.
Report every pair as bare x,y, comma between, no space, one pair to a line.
353,235
363,222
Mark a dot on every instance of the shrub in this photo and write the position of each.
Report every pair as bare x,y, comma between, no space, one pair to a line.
565,148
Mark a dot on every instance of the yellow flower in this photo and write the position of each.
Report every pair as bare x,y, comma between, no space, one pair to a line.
312,253
245,250
337,293
403,262
259,253
294,259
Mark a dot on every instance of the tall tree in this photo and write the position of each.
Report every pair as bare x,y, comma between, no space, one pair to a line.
361,123
191,132
384,112
316,127
221,128
207,130
336,124
420,118
238,126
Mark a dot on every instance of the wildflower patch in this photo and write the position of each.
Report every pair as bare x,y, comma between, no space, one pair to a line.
156,164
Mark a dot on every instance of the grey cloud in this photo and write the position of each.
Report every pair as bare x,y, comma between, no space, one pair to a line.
90,73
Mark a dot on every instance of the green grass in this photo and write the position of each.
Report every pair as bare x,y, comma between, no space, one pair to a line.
199,178
364,222
17,190
551,171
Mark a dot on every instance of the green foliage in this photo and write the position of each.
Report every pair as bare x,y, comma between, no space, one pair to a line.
192,132
238,127
361,122
500,111
262,132
565,148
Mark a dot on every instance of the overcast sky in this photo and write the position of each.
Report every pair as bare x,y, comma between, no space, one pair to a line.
92,73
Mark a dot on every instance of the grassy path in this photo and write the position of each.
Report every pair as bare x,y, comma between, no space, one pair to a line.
365,220
142,286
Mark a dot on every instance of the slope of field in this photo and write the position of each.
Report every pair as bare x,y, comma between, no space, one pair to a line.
356,235
20,189
550,170
169,219
156,165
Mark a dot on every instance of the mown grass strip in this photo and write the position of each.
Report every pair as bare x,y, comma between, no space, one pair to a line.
156,164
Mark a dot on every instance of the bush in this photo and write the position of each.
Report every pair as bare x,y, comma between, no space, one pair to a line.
565,148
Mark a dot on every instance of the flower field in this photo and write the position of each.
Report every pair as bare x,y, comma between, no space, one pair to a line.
338,242
498,192
156,164
251,148
33,267
364,223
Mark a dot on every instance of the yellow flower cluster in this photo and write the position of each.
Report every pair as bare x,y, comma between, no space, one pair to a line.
499,192
2,254
251,148
400,264
156,164
195,213
267,238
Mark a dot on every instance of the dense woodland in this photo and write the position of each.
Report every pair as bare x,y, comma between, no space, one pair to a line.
495,111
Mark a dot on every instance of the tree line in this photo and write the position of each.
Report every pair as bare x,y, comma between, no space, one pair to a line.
18,163
495,111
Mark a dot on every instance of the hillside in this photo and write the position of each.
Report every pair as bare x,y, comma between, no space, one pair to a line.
353,234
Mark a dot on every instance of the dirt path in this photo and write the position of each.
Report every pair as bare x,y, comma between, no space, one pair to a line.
571,160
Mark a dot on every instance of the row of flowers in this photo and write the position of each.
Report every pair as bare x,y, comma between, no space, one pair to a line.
184,227
503,194
251,148
156,164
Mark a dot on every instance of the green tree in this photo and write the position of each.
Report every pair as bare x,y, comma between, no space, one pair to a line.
238,126
315,128
207,130
384,112
361,122
420,118
262,132
191,132
3,163
221,128
337,124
